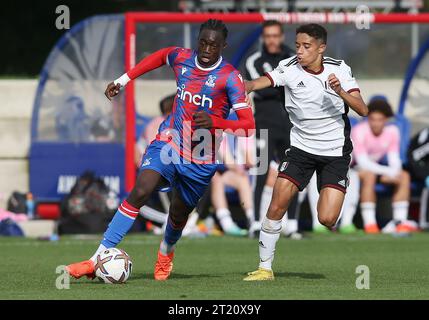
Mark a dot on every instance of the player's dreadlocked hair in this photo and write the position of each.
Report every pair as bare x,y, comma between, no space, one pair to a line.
216,25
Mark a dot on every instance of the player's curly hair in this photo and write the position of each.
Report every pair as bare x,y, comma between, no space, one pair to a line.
315,31
380,105
216,25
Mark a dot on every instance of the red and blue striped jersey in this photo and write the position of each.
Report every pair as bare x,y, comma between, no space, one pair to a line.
215,90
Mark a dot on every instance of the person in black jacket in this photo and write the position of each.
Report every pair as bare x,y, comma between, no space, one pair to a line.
418,165
269,114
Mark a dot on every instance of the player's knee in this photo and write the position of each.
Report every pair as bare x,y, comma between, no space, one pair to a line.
327,220
139,195
276,212
178,220
327,217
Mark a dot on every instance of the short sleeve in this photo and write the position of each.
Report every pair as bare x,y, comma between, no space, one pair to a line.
172,55
348,81
278,76
235,91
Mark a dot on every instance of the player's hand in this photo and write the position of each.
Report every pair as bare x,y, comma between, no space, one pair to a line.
249,101
248,86
203,120
334,83
112,90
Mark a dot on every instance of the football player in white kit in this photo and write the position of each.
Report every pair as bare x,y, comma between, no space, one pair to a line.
318,93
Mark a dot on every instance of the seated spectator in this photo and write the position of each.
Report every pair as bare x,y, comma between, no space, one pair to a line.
233,173
151,130
418,162
375,142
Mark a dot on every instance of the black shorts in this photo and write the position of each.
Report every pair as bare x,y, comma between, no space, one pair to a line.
298,166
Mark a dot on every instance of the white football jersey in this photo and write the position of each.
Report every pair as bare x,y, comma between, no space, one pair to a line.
318,114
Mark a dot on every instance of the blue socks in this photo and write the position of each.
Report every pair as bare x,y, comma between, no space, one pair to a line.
120,224
172,234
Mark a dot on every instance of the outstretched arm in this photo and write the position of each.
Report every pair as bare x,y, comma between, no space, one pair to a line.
258,84
151,62
244,126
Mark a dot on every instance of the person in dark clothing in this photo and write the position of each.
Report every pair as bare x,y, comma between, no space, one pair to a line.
418,165
270,114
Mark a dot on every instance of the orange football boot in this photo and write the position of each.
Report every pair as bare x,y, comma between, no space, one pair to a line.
163,266
372,229
79,269
405,228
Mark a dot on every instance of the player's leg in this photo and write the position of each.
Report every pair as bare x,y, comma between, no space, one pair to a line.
191,181
290,221
177,218
149,179
284,191
368,200
329,206
128,211
294,174
313,198
350,203
333,180
122,221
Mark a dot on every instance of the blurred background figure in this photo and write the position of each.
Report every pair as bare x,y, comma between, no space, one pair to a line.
151,130
418,164
377,159
237,154
269,114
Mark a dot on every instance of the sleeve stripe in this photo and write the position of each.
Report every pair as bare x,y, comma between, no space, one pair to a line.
271,79
241,105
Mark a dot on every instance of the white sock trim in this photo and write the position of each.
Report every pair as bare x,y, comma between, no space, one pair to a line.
271,226
100,249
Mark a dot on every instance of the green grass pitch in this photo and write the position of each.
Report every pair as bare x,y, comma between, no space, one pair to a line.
319,267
